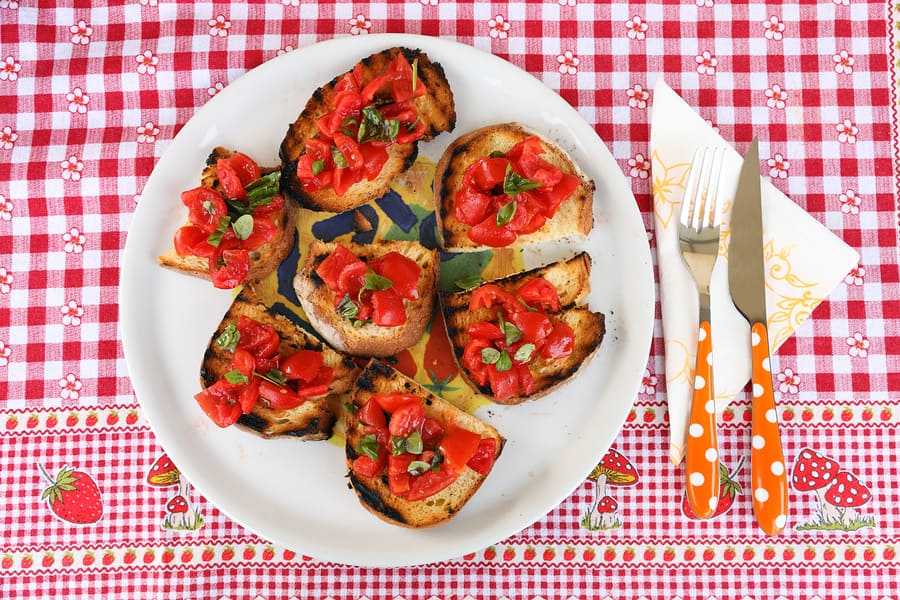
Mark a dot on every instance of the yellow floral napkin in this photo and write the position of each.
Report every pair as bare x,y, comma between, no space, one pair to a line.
804,261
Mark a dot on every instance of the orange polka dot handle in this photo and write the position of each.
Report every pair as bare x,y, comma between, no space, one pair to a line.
767,469
702,455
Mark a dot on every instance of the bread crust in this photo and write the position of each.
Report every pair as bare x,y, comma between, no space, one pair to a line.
312,420
374,492
571,279
264,259
574,217
369,340
436,109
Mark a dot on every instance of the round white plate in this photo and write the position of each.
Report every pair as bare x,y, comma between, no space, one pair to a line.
295,493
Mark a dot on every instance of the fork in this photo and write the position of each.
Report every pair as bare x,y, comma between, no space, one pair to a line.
698,235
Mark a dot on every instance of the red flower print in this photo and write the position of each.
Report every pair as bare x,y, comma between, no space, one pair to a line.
72,168
648,383
71,313
6,280
775,97
778,167
8,138
81,33
788,381
5,353
706,63
638,96
70,387
843,62
78,101
850,203
847,132
499,27
146,63
640,166
858,346
855,276
359,25
219,26
6,208
9,69
636,28
147,133
774,28
74,241
568,63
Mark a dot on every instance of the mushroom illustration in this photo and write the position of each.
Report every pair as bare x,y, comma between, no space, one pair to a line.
606,509
180,514
847,492
814,472
613,470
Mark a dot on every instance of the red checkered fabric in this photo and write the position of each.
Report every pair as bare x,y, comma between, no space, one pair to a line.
91,95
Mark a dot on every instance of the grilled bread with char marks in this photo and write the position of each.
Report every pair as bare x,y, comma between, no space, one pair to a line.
571,279
312,420
374,492
436,110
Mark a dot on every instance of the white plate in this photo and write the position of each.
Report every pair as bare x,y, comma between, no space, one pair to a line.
295,493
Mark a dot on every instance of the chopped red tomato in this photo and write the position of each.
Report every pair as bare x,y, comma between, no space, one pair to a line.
458,446
366,466
257,338
534,326
190,240
539,293
245,167
430,483
205,207
483,459
371,413
504,384
302,365
432,430
387,308
329,270
406,418
220,403
390,402
490,234
485,330
230,270
264,231
250,395
244,362
399,477
230,181
279,397
402,271
473,362
560,343
491,296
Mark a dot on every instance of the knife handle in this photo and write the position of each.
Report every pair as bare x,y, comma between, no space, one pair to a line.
702,455
767,470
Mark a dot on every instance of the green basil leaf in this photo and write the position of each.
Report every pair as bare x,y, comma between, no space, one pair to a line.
374,281
347,308
398,445
339,161
369,446
261,191
375,128
229,337
238,208
467,283
236,377
524,353
318,166
414,443
513,183
504,362
243,227
490,356
497,154
512,333
506,213
417,467
215,238
273,375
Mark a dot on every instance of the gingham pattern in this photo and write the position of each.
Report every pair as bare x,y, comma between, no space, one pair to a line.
91,96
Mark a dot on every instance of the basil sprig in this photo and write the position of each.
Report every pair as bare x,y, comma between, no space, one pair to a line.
499,358
513,183
506,213
229,337
369,446
375,128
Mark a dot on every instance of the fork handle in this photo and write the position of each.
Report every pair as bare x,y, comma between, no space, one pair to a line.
702,460
767,469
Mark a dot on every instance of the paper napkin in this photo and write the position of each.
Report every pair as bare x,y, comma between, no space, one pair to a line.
804,262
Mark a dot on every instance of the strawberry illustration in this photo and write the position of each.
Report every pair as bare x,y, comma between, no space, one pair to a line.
846,414
849,553
149,556
729,553
549,554
509,553
827,413
32,421
665,417
889,553
569,553
886,414
729,489
728,415
669,553
709,553
589,554
112,418
72,419
288,554
227,553
12,422
787,414
109,557
649,553
869,553
809,553
530,553
829,553
690,553
788,553
187,555
129,557
490,553
131,418
168,555
249,552
609,554
649,415
73,496
91,419
748,414
632,415
469,556
628,554
807,414
268,553
52,420
867,414
769,553
68,559
88,558
48,559
208,554
27,561
7,561
748,554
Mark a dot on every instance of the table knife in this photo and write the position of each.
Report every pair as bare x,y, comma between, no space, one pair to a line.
746,280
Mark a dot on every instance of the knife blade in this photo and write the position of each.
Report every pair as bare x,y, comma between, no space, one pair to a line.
747,283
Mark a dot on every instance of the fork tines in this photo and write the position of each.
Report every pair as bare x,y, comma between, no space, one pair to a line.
703,196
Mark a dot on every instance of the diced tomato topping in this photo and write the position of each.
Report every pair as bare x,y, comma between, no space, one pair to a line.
402,271
279,397
264,231
399,477
390,401
485,330
535,326
190,240
302,365
374,157
230,180
329,270
432,430
319,384
244,362
371,413
250,395
458,446
366,466
231,269
245,167
540,293
205,207
407,417
504,384
472,361
257,338
220,403
526,379
490,234
430,483
560,343
472,206
387,308
491,296
483,459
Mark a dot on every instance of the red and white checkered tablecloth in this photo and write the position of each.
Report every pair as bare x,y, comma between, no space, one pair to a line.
91,94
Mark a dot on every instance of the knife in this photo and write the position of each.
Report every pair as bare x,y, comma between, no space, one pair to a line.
746,279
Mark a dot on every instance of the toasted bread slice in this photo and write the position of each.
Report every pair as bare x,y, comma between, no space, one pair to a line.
312,420
318,301
436,110
571,279
374,492
264,259
574,216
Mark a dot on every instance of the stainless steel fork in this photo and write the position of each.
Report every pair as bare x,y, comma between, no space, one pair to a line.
698,234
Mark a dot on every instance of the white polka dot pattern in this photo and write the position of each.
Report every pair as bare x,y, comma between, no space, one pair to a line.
702,456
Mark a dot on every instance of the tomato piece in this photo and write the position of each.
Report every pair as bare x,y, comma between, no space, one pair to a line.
405,112
229,180
243,361
319,384
351,280
486,174
374,157
373,87
275,205
432,431
472,206
387,308
346,104
485,330
371,413
342,179
257,338
205,207
491,295
350,81
526,379
483,459
279,397
399,477
190,240
250,395
246,168
302,365
407,417
329,270
487,232
230,270
220,403
560,342
264,231
471,360
402,271
389,402
535,326
503,384
430,483
350,150
366,466
458,446
539,293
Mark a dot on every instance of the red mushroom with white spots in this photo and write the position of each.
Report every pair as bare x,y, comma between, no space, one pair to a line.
847,493
815,472
180,514
606,508
177,505
613,470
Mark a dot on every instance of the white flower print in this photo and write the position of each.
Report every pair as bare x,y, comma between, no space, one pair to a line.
147,133
287,49
81,33
640,166
71,313
429,2
8,138
149,2
215,88
705,3
567,2
706,63
850,203
293,3
778,167
74,241
842,2
843,62
788,382
847,132
774,28
775,96
72,168
858,346
11,4
499,27
568,62
636,28
6,280
359,25
70,386
9,69
146,63
638,96
5,353
855,276
78,101
6,208
648,382
219,26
